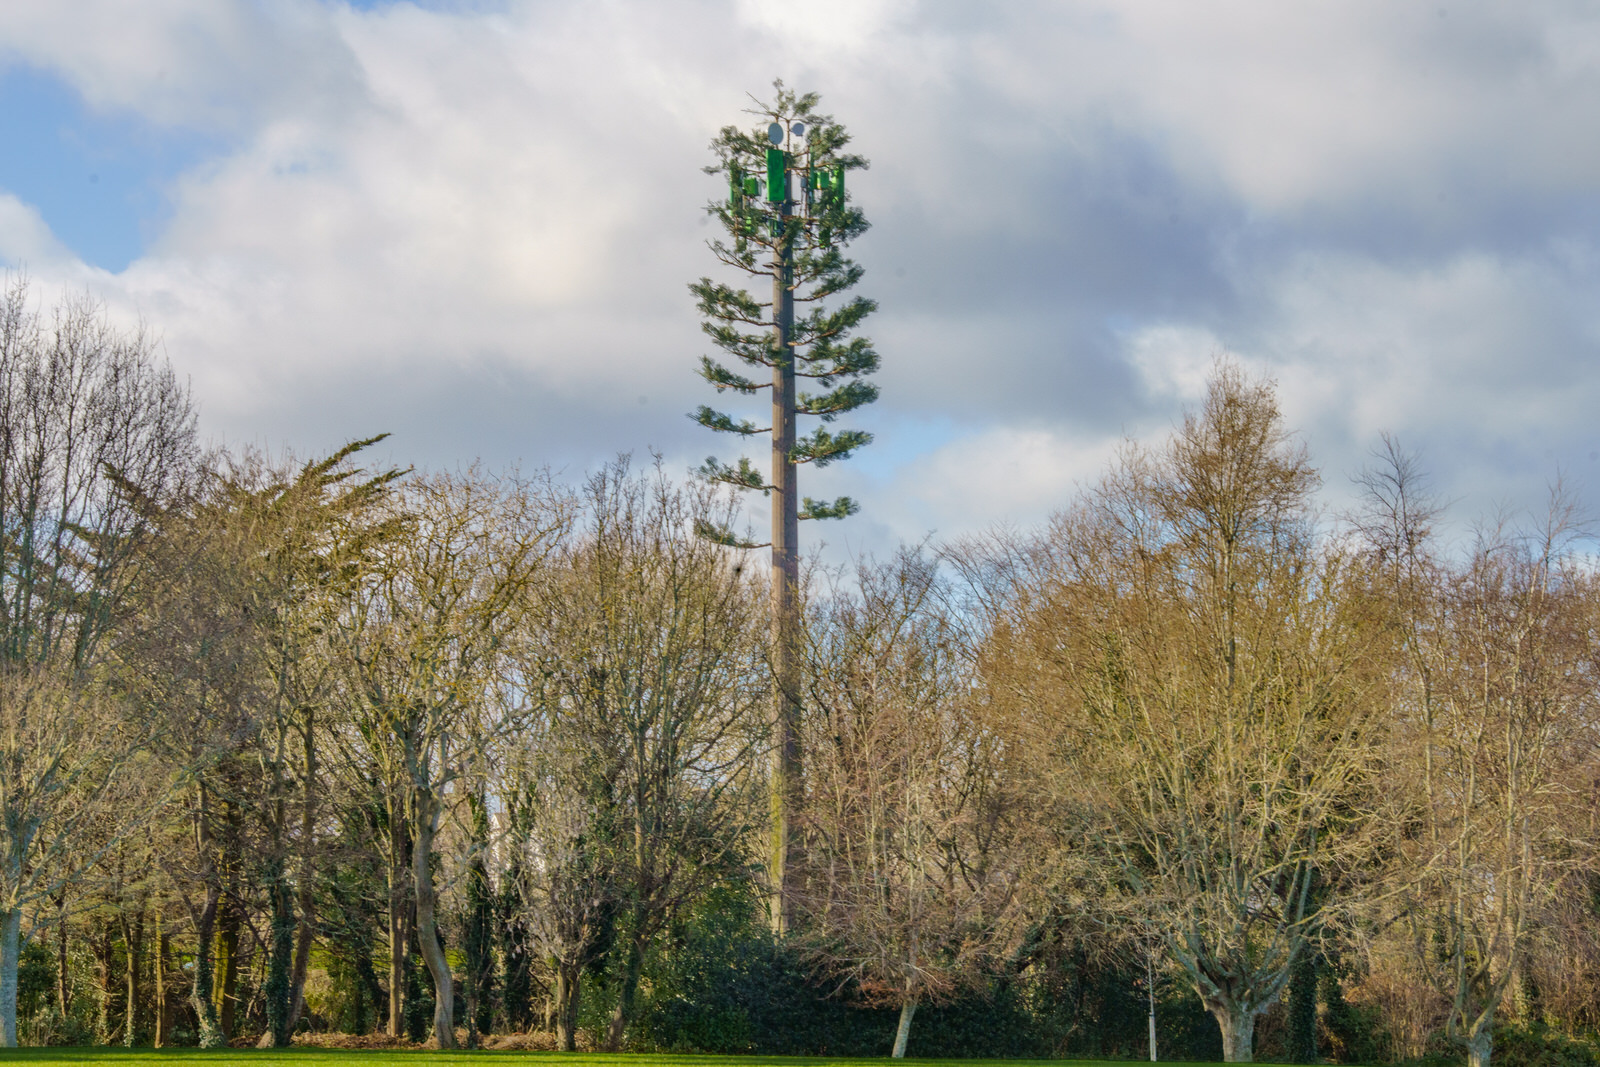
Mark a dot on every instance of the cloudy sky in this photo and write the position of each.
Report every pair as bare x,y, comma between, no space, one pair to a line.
471,223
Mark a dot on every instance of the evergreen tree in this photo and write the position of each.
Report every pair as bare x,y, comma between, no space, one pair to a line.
787,219
478,939
1304,978
1303,981
516,989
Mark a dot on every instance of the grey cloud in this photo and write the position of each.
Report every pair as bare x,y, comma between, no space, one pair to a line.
474,229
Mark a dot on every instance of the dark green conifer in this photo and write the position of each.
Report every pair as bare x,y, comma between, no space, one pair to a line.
516,957
1303,981
478,937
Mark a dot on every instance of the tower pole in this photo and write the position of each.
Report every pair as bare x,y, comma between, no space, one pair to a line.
785,567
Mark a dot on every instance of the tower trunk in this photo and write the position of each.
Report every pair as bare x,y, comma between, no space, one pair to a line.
785,585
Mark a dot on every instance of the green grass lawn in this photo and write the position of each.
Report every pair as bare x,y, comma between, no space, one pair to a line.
417,1058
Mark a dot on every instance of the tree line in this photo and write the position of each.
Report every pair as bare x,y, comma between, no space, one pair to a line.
291,746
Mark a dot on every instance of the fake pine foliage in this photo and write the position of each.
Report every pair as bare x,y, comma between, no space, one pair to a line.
802,229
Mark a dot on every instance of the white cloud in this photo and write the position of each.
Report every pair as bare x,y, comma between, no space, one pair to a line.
26,240
212,64
997,475
1174,361
826,27
480,223
1484,363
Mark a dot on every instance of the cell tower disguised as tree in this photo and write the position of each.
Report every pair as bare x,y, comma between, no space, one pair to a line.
787,219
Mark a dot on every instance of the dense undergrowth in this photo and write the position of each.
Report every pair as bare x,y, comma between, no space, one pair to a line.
719,985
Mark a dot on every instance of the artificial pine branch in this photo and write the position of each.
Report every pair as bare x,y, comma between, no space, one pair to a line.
723,378
722,535
744,476
841,508
729,304
829,406
752,348
826,361
822,448
716,420
823,325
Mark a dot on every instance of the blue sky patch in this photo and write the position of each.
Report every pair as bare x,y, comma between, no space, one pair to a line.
100,181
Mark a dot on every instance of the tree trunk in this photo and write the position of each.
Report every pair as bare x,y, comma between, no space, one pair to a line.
1303,1006
419,1005
133,942
902,1033
279,950
302,963
368,980
427,928
63,992
200,993
398,933
396,967
1238,1033
568,976
205,923
623,1014
1480,1045
306,934
10,957
229,938
101,946
163,1008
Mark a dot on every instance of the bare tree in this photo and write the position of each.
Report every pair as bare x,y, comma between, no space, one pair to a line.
92,427
74,781
560,833
421,638
1507,707
912,868
645,671
1208,680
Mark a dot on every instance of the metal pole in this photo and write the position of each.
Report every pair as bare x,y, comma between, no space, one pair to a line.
1150,992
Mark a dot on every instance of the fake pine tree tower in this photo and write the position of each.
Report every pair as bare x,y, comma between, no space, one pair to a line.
787,219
